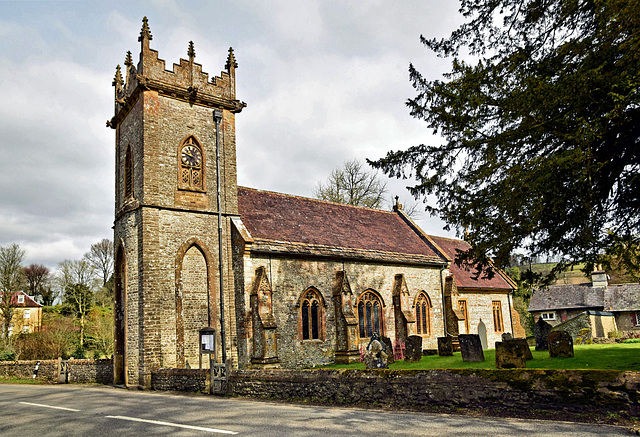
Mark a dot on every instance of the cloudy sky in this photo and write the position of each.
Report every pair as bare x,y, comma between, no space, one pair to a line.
324,82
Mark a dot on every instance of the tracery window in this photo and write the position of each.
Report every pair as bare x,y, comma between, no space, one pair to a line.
311,315
497,316
462,306
191,167
370,314
128,174
423,314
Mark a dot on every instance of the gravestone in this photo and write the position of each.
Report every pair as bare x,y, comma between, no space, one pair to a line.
506,336
413,348
471,347
525,346
388,349
482,332
510,354
541,331
376,357
445,346
560,344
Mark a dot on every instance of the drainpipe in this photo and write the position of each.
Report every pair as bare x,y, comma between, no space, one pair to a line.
217,118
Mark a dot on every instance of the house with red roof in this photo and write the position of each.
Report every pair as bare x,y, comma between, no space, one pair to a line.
27,314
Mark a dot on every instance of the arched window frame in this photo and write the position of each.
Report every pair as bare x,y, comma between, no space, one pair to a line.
423,314
128,174
191,177
311,316
370,309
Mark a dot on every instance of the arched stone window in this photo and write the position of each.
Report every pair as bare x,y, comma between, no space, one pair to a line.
423,314
370,314
191,168
311,315
128,174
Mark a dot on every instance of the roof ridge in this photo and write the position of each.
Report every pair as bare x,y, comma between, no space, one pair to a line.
364,208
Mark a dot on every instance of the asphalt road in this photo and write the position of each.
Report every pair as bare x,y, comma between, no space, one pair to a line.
76,410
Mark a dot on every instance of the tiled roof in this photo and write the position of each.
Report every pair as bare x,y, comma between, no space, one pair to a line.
567,296
28,301
465,278
291,224
622,297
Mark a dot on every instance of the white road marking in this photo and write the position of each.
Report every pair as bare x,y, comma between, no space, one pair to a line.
177,425
49,406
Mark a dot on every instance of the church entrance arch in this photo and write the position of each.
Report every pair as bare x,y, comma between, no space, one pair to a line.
193,308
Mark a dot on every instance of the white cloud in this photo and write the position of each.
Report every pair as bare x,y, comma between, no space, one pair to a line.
324,81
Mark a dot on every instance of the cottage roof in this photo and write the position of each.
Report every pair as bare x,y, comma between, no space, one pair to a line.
27,303
465,278
619,297
622,297
567,296
292,224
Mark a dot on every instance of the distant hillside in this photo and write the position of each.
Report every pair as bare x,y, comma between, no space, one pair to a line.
576,276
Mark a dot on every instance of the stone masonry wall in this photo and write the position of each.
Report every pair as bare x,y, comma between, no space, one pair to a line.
188,380
480,308
574,391
290,277
80,371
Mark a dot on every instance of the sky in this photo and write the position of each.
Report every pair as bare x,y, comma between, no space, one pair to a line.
324,82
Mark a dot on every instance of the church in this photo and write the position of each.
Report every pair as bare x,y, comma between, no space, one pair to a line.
285,281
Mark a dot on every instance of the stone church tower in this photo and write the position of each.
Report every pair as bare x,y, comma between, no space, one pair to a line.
167,283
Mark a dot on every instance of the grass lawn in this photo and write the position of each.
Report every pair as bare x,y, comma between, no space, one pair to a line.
14,380
619,356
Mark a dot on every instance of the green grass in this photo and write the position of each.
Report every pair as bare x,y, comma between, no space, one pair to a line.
619,356
15,380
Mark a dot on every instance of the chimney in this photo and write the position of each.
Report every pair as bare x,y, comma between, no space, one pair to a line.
599,278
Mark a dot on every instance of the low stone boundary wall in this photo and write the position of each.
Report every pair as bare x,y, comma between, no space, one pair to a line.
80,371
572,391
189,380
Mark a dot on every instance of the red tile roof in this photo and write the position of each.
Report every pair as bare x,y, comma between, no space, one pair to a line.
311,223
464,278
28,301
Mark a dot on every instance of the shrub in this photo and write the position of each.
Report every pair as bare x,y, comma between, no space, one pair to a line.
614,334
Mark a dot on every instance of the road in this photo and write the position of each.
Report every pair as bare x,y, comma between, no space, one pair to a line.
76,410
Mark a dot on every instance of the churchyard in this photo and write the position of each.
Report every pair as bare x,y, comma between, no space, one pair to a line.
615,356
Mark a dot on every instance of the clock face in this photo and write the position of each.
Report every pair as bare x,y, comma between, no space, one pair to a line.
191,156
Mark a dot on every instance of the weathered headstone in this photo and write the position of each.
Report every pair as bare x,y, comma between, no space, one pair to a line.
482,332
471,347
541,331
388,349
413,348
510,354
445,346
506,336
525,346
376,357
560,344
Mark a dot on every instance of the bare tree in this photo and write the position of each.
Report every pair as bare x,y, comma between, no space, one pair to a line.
412,209
10,282
100,256
75,279
38,279
353,185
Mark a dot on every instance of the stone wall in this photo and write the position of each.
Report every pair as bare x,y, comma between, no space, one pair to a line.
80,371
291,276
188,380
571,391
